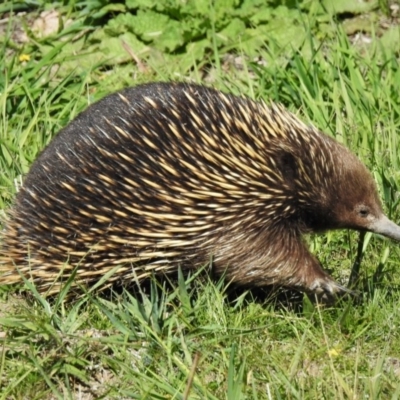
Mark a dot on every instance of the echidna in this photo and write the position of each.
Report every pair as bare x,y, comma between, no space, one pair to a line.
166,175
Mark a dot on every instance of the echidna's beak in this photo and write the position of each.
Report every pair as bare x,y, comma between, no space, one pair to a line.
384,226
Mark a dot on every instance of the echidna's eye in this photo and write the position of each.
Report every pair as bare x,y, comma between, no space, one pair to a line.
363,211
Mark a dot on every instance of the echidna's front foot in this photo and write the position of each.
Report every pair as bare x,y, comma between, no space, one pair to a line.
327,291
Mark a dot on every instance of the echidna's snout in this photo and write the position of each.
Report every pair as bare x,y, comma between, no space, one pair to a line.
384,226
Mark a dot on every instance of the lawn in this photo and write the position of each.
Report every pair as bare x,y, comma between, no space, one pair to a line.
194,337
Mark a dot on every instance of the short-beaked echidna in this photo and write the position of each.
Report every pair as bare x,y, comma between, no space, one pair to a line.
166,175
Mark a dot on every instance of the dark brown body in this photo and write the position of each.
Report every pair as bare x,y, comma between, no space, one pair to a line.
168,175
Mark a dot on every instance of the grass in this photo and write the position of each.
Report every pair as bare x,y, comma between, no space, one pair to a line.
146,344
